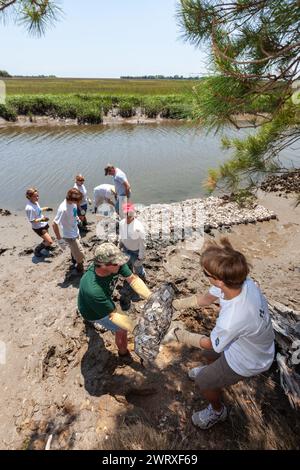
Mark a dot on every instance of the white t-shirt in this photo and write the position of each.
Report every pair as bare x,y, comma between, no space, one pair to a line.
103,191
67,218
119,179
244,330
33,211
133,236
83,191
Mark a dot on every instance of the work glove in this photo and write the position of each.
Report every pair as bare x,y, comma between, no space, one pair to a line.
122,320
140,288
184,337
49,209
187,302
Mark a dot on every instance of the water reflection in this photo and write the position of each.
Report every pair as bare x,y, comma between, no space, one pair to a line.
164,162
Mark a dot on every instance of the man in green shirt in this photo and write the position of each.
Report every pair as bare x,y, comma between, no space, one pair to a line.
96,289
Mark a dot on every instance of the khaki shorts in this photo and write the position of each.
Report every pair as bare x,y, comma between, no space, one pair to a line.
217,375
76,249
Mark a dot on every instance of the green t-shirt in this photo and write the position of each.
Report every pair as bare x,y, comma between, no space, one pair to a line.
95,292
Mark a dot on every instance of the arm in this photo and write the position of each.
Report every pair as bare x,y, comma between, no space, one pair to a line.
205,343
127,188
56,230
138,286
120,318
41,219
46,209
109,201
194,301
206,299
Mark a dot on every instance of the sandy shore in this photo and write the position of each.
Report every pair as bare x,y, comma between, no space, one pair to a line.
62,378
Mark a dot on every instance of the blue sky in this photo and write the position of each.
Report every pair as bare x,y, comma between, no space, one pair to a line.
100,38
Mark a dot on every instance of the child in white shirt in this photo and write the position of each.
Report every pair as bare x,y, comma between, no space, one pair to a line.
242,343
39,223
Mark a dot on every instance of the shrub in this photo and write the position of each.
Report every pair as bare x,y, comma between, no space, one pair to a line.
176,111
126,110
8,113
89,116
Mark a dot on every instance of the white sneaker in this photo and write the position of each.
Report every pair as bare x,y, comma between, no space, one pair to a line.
192,373
208,417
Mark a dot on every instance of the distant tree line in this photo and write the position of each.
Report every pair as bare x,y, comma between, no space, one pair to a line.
5,74
159,77
34,76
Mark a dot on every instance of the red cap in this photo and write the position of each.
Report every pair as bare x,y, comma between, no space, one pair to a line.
127,208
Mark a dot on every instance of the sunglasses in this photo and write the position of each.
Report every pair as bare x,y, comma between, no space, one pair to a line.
80,181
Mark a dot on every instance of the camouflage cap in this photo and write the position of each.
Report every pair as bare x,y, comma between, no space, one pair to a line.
108,253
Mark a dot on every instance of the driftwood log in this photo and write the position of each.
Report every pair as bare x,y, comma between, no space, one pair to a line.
286,323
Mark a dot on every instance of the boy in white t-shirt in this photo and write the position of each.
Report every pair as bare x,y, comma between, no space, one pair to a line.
67,219
242,343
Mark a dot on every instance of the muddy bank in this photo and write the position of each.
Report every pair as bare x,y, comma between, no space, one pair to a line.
37,121
63,378
286,183
112,118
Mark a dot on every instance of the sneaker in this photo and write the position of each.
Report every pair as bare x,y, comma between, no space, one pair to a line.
208,417
46,252
192,373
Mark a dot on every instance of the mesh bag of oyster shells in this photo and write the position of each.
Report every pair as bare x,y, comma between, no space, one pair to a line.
155,322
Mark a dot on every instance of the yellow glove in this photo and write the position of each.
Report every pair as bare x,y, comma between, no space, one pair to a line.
122,321
187,302
140,288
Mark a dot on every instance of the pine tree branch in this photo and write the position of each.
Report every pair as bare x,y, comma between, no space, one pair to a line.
5,4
